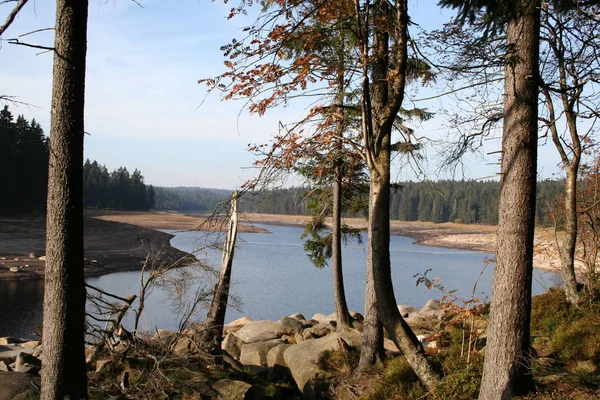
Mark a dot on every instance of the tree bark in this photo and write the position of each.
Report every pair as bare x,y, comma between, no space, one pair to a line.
569,242
507,366
64,370
341,307
213,325
371,350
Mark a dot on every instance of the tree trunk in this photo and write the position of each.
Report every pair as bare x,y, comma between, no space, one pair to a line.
570,239
371,351
341,307
507,367
378,264
64,370
213,325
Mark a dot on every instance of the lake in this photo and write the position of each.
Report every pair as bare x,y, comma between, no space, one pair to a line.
272,277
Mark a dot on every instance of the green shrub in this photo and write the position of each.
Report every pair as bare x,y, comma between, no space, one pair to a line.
579,340
398,382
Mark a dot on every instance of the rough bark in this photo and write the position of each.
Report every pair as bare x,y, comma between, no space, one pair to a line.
507,366
371,350
569,241
213,325
341,307
64,371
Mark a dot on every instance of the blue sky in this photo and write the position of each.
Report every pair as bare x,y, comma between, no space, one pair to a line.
144,108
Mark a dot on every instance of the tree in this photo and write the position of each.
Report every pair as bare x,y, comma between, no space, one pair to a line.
383,43
507,366
569,72
64,370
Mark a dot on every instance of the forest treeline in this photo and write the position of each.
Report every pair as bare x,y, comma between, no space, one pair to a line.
467,202
24,178
118,190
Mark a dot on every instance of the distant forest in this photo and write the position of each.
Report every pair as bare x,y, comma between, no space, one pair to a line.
467,202
24,178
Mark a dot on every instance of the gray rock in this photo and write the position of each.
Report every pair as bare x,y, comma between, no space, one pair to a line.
356,316
259,331
228,389
183,345
298,317
19,386
164,336
31,344
289,326
27,363
232,345
37,352
317,331
7,340
299,338
11,354
419,321
255,353
405,311
278,370
302,358
324,319
432,305
4,366
236,325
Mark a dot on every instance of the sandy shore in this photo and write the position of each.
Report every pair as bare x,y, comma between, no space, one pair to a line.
113,240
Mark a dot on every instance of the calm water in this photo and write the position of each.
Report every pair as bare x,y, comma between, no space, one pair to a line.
273,277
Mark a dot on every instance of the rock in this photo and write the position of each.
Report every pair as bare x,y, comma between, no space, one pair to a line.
259,331
432,305
15,269
255,354
324,319
11,352
183,345
37,352
32,255
236,325
298,338
164,336
9,340
289,326
356,316
27,363
405,311
298,317
228,389
317,331
31,344
420,321
431,345
4,366
232,345
42,258
288,339
389,345
278,370
19,386
302,358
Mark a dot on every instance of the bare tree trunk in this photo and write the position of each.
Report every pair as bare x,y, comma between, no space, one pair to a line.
213,325
64,371
570,239
341,307
507,367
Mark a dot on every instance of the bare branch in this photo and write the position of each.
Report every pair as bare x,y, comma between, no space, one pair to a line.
11,17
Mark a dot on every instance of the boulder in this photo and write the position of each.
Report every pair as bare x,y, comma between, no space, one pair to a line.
4,366
298,317
27,363
323,319
302,358
255,353
420,321
289,326
31,344
10,355
164,336
19,386
278,370
15,269
183,345
356,316
432,305
259,331
405,311
236,325
228,389
390,346
317,331
232,345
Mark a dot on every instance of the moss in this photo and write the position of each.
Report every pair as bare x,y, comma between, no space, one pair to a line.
398,382
339,361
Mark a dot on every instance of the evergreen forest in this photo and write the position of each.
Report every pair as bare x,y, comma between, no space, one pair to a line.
24,178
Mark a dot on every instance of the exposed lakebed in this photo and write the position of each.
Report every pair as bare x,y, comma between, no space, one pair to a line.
273,277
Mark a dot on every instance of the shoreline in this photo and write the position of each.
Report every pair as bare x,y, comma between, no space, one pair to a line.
112,239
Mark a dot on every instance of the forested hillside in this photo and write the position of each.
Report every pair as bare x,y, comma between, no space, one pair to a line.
467,202
189,198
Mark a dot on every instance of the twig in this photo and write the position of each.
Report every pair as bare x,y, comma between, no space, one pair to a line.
11,17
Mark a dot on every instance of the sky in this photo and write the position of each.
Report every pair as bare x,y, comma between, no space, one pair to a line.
145,109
